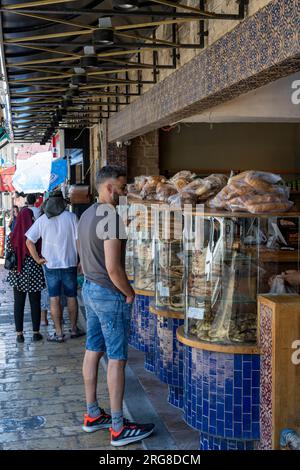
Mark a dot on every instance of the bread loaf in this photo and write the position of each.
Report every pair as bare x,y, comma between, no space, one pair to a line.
180,183
164,191
266,207
258,184
186,174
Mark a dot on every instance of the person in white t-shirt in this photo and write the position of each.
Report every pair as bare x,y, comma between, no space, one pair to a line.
57,228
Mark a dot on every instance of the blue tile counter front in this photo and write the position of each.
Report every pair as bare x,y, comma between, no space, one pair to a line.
142,325
222,396
169,357
208,442
175,396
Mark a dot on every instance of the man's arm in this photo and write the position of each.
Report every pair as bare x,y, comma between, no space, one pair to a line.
33,235
32,250
116,272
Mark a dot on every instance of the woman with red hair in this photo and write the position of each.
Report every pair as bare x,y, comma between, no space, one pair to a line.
26,277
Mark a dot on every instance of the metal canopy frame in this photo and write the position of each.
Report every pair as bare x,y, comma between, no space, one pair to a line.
54,48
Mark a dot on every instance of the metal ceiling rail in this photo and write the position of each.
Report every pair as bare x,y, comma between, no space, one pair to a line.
139,12
35,4
48,75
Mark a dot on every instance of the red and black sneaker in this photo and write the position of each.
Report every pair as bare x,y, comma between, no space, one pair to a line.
94,424
130,432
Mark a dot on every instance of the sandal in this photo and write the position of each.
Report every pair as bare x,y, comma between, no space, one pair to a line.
78,333
54,338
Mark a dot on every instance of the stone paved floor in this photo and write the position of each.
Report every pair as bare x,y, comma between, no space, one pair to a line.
42,379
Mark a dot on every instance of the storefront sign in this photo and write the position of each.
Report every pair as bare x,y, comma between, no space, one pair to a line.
58,144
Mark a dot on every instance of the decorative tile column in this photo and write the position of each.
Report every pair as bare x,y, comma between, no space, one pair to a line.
169,353
221,396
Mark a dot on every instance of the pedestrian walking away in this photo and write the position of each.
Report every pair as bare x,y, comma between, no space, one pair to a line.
57,228
26,276
108,299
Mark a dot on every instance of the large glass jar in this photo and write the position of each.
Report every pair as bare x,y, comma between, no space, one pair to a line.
129,266
237,257
143,262
169,273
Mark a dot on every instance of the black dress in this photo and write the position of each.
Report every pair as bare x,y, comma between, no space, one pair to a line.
30,279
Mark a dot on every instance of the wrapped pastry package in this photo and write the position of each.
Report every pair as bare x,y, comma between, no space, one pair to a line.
253,191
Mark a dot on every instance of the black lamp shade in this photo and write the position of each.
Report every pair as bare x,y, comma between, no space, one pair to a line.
67,101
58,115
79,79
103,36
125,5
88,61
72,92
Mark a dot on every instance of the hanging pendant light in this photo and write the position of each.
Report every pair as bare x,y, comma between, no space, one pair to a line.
125,5
80,79
103,36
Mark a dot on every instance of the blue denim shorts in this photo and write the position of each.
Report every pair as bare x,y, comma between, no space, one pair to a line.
61,280
108,320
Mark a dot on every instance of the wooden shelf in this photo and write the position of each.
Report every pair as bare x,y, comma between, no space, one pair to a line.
216,347
164,312
273,256
146,293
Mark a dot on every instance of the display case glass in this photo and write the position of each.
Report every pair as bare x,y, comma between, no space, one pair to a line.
236,257
143,261
169,274
129,258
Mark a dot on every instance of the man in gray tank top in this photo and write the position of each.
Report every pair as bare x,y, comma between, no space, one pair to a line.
108,298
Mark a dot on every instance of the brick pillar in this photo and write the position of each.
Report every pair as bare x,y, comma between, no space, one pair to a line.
111,153
143,155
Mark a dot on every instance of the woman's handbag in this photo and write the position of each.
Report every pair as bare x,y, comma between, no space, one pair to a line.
10,260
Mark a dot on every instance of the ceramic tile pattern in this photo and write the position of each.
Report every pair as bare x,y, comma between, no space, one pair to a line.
175,396
266,377
169,358
261,49
142,325
221,393
208,442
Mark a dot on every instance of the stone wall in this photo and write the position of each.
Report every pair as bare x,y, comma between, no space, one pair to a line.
143,155
261,49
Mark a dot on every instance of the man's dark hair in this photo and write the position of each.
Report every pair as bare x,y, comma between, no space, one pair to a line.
109,171
31,199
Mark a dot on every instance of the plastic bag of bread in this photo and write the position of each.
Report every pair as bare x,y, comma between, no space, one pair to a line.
251,175
185,174
149,189
181,183
268,207
155,179
220,200
236,204
132,192
139,182
164,191
180,199
217,180
201,188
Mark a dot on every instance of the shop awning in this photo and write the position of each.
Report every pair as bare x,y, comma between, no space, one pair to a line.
6,175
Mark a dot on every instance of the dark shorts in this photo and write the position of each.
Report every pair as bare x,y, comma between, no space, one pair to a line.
108,320
61,280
